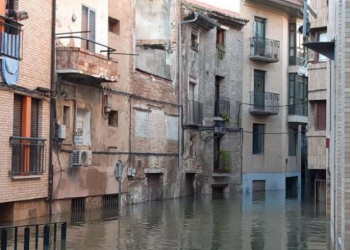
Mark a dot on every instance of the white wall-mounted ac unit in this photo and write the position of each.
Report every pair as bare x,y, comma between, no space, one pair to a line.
81,158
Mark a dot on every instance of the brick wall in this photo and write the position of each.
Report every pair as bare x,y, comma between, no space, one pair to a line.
35,72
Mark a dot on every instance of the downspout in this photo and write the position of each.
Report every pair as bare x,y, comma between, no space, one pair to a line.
52,105
180,86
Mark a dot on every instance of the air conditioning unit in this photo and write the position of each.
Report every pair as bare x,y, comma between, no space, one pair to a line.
81,158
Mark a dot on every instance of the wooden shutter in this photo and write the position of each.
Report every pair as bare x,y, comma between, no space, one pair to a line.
321,117
17,115
35,118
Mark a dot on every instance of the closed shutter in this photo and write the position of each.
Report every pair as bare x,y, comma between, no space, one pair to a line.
17,115
17,127
35,118
35,150
321,118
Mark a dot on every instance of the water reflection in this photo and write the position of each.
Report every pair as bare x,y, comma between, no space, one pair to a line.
271,220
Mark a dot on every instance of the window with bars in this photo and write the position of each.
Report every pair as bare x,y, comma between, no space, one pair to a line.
258,139
28,150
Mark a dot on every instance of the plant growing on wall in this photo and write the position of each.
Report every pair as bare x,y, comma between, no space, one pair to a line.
226,117
225,159
221,51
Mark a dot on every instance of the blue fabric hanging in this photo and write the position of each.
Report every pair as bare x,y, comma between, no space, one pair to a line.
10,49
10,70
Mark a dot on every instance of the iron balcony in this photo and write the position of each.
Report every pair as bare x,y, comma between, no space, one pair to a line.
264,50
300,109
11,38
264,103
28,156
195,113
222,107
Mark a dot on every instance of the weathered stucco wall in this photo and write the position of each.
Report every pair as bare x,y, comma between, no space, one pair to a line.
69,19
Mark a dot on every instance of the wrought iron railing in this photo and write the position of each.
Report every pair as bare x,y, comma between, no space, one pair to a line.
299,109
11,38
264,48
222,107
33,236
195,112
264,102
90,44
28,156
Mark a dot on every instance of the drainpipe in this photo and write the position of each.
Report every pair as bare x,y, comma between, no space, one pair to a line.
52,105
180,85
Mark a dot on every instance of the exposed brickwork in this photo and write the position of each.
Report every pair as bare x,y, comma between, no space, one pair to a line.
35,72
87,63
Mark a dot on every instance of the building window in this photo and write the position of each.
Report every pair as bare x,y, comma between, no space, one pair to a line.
27,148
113,118
194,40
114,25
321,115
66,116
258,139
259,27
217,149
220,36
292,139
322,37
88,24
141,124
296,50
298,95
172,128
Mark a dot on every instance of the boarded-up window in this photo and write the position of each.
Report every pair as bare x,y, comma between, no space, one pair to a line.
83,133
141,124
321,115
172,128
258,139
220,36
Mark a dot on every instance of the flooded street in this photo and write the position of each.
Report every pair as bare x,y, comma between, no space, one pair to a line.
261,221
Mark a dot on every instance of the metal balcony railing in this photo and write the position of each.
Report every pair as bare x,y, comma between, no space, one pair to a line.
28,156
11,38
299,109
264,103
222,107
265,50
195,112
89,44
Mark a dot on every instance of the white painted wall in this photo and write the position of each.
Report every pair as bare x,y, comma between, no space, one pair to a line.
231,5
69,19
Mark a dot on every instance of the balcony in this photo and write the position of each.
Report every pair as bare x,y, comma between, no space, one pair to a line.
264,103
298,113
81,65
264,50
28,156
195,113
222,107
11,38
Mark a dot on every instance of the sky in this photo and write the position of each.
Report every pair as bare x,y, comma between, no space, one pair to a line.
232,5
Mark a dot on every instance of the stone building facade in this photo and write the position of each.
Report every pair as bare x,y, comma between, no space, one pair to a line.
116,102
25,113
212,43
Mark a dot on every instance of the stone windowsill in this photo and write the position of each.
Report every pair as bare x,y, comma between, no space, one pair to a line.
26,177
